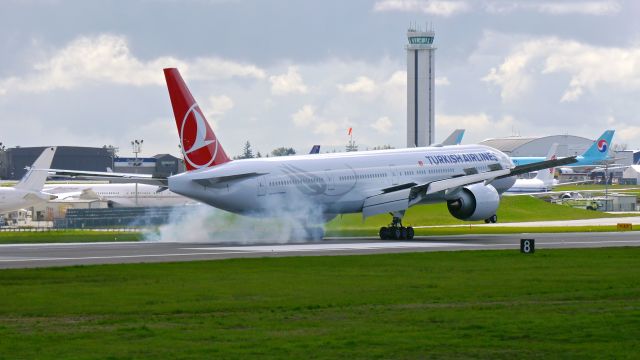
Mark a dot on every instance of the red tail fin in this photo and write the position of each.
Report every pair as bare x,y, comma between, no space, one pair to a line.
200,147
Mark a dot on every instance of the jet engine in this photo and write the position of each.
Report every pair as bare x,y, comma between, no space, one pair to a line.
474,202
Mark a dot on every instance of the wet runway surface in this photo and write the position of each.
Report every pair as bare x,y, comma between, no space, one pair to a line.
43,255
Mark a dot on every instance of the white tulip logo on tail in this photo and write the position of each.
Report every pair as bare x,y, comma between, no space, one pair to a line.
199,144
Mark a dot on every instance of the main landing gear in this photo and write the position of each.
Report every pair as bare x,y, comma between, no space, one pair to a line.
396,231
492,220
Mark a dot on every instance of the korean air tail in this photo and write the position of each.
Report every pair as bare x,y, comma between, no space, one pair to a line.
600,148
200,147
35,178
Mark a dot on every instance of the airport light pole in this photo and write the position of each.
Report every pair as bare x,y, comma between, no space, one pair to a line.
136,144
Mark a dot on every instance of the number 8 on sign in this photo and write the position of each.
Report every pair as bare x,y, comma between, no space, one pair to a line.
527,246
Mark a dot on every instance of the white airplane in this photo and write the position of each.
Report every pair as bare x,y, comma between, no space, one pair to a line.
315,188
118,195
28,191
542,182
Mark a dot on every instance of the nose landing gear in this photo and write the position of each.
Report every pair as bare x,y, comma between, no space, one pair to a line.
395,231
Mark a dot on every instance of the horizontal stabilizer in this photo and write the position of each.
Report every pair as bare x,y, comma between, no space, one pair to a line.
110,176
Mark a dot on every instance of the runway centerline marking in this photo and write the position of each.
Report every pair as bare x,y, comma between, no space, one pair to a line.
333,247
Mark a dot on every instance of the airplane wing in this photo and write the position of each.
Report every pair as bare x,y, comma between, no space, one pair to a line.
110,176
67,194
401,197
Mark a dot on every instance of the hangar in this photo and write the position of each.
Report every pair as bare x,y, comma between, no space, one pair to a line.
568,145
14,161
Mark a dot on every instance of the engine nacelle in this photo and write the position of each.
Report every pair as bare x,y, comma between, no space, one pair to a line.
475,202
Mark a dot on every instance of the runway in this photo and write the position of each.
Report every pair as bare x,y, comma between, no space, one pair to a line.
44,255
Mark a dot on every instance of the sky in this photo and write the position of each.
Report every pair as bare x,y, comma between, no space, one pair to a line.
297,73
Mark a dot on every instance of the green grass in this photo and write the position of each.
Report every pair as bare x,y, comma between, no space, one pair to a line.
478,230
512,209
65,236
484,304
583,187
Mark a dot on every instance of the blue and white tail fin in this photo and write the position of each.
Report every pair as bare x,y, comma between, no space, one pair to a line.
546,175
455,138
35,177
600,148
315,149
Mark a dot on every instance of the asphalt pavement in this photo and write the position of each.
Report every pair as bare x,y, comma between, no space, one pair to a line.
44,255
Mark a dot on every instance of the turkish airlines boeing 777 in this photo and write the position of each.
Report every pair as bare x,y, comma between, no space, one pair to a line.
316,188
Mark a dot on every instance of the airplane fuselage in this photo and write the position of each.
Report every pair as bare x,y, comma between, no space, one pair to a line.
332,183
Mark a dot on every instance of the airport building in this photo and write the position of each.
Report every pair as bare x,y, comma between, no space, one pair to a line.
420,87
14,161
159,165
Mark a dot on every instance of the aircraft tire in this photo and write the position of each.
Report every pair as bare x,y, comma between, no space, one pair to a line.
384,233
396,234
410,233
494,219
403,233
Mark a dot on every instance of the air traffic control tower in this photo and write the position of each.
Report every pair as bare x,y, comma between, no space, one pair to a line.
420,87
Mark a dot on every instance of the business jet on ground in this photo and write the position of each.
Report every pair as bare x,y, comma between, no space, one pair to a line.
118,195
316,188
28,191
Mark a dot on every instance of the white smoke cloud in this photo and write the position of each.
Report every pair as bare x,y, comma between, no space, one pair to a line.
289,219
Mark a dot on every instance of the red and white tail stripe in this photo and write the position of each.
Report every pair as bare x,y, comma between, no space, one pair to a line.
200,147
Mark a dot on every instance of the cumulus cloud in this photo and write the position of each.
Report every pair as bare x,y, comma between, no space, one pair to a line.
442,81
555,8
362,84
108,58
383,125
588,67
431,7
290,82
219,105
478,126
304,116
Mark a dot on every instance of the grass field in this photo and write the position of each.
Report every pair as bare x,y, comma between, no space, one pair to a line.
512,209
65,236
448,305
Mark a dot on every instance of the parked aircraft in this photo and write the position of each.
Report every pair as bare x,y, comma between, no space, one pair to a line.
455,138
543,181
315,188
315,149
119,195
595,154
28,191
